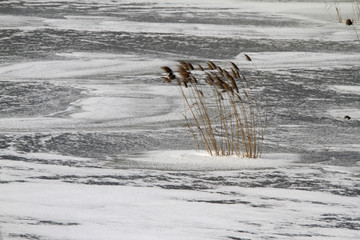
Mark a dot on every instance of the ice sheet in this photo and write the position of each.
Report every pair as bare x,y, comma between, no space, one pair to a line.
49,192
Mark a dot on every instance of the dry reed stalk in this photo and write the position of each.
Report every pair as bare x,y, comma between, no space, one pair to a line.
348,22
225,116
356,8
338,14
198,126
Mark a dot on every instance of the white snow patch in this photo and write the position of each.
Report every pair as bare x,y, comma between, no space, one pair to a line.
346,89
121,212
82,64
126,101
102,107
189,160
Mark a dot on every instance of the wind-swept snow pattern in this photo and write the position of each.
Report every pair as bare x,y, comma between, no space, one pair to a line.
93,144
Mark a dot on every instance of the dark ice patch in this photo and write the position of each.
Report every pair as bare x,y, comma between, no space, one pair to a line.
30,99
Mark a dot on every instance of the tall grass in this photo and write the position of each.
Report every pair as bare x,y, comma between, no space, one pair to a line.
221,113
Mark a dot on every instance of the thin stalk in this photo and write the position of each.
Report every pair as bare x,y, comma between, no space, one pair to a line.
206,145
206,119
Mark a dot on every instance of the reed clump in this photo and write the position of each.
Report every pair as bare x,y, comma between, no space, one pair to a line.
221,112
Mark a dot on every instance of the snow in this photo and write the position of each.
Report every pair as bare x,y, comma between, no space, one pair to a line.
318,12
137,186
106,106
80,64
27,22
136,209
346,89
120,212
201,161
342,112
40,123
194,29
275,61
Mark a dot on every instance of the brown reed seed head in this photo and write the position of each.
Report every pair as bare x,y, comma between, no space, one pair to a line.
210,66
190,66
200,67
167,69
184,73
213,65
219,81
348,22
209,80
171,76
193,79
233,73
221,78
233,84
220,71
184,64
228,88
235,66
226,74
247,57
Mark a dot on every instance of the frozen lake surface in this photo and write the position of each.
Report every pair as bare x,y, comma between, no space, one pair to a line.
92,142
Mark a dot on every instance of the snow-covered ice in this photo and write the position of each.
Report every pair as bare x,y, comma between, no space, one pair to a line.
93,144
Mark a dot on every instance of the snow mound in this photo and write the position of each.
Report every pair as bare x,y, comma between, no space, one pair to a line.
191,160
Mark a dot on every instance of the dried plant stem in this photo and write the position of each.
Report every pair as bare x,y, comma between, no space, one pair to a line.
205,142
357,35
